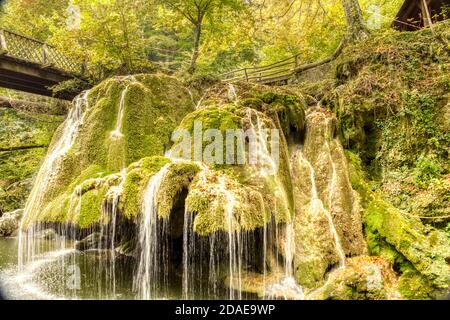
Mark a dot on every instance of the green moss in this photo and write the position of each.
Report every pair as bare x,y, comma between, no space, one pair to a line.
91,208
213,195
427,168
88,189
161,105
21,129
137,178
425,248
412,285
290,110
213,117
179,177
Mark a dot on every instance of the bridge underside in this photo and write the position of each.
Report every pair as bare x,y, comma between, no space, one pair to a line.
29,77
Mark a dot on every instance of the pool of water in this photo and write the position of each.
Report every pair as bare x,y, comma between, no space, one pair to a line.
70,274
65,274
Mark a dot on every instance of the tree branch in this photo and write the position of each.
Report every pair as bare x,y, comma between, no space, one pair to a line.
313,65
187,15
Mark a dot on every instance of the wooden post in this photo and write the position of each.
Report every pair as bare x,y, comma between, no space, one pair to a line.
296,60
427,21
246,75
44,54
83,69
46,59
3,45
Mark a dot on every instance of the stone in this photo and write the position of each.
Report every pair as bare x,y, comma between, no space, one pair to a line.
9,222
93,241
363,278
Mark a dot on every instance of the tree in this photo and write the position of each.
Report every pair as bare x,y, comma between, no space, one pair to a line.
356,24
195,11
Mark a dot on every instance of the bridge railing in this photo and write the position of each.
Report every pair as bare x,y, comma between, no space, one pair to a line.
31,50
278,71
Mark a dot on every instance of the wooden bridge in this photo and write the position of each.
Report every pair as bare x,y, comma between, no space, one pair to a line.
280,72
33,66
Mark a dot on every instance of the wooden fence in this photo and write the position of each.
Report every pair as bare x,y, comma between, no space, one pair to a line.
30,50
280,71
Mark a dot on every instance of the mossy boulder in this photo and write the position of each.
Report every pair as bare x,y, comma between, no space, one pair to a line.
9,222
146,109
284,106
256,195
328,211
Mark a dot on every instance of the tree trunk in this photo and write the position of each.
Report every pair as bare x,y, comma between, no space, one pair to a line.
356,24
195,53
16,148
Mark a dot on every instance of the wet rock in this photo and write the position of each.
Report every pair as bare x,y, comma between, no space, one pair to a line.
92,241
47,234
9,223
328,223
363,278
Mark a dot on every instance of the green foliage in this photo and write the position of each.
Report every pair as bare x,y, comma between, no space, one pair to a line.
427,168
69,87
427,249
129,36
30,132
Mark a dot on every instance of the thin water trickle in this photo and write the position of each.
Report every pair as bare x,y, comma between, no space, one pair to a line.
232,94
117,132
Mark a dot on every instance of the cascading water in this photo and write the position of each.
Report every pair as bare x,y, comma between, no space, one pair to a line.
268,167
107,237
234,242
47,172
316,205
232,94
151,277
117,132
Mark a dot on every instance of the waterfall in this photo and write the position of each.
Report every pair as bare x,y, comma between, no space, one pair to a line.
268,167
316,205
232,95
188,254
117,132
260,154
234,242
47,173
108,224
153,263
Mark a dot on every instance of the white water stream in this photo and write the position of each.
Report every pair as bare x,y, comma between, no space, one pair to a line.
46,174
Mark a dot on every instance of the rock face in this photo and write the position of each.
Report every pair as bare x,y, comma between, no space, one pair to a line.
9,222
403,239
328,223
